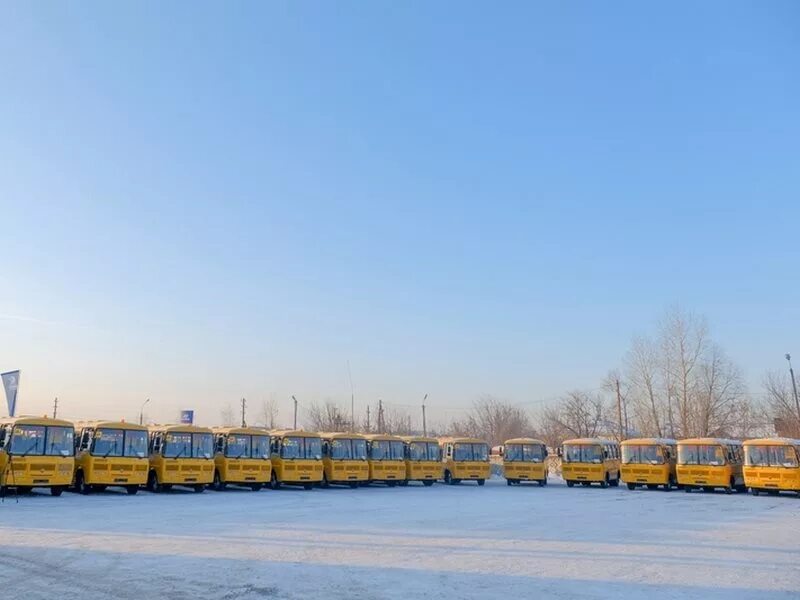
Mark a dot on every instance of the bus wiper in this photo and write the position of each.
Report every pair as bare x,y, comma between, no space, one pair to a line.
110,450
179,454
241,454
29,450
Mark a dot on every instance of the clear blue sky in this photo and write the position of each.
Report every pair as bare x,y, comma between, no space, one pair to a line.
207,201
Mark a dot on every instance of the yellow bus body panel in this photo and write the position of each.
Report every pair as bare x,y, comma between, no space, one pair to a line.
387,470
36,471
182,471
709,475
345,471
297,470
243,470
524,471
423,470
648,474
112,470
594,472
470,470
772,478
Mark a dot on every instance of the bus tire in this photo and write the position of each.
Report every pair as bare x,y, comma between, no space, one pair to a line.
152,483
543,482
631,486
570,483
56,490
755,491
218,484
481,481
273,482
325,483
731,487
132,489
509,482
81,485
448,478
427,482
687,488
604,483
614,482
199,488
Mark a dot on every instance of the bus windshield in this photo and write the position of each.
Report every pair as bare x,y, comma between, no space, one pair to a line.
360,449
642,455
524,453
473,452
771,456
396,450
40,440
583,453
108,442
135,443
301,447
701,454
424,451
341,449
178,445
380,450
260,446
238,446
203,445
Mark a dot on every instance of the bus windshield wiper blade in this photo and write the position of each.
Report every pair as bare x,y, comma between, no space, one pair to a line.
110,450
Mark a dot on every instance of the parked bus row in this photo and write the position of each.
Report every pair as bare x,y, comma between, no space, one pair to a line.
90,456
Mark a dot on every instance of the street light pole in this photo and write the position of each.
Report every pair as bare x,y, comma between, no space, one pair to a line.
295,412
424,426
141,412
794,385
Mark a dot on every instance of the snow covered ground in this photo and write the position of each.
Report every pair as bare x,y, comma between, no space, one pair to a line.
440,543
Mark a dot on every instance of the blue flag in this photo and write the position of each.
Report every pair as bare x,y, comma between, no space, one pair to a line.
11,384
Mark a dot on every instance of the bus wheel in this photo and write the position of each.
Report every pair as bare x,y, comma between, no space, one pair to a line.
481,481
631,486
687,488
325,483
56,490
273,481
731,487
428,482
448,478
218,484
132,489
80,484
603,484
570,483
543,482
509,482
614,482
152,483
198,488
256,486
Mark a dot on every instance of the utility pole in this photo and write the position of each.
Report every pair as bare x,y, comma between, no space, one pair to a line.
380,416
352,400
794,386
244,408
295,411
141,411
367,418
619,411
424,426
55,407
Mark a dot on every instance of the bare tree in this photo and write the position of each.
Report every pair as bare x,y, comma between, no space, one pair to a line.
227,416
780,404
326,417
617,387
268,415
577,414
494,421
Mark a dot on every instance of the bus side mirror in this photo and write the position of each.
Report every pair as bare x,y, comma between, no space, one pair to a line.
559,451
501,451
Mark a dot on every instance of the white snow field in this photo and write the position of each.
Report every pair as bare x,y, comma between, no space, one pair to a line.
440,542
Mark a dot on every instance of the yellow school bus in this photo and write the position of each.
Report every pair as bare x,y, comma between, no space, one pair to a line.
296,458
36,452
423,460
110,453
772,465
649,462
524,459
590,460
180,455
709,463
241,457
344,459
386,458
465,459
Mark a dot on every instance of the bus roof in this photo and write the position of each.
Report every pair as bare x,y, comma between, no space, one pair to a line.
419,438
524,440
772,442
710,441
341,435
241,430
179,428
461,440
293,433
598,441
649,441
29,420
110,425
386,437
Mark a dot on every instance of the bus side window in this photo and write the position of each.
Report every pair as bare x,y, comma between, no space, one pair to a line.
605,452
325,448
2,437
86,439
155,443
275,445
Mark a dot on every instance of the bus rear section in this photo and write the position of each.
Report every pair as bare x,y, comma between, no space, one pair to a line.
710,463
180,455
772,465
344,458
650,463
590,460
465,459
36,452
524,459
296,458
423,458
241,458
110,454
